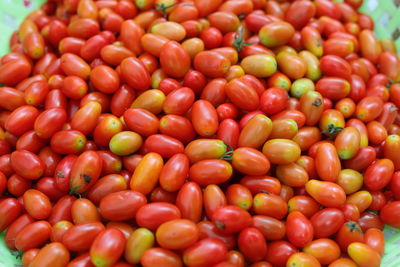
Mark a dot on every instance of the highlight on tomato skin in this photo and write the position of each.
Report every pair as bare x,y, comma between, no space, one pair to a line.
199,133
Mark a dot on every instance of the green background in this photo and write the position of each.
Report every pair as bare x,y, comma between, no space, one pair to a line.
386,14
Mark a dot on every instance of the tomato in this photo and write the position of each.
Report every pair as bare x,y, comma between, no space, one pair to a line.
107,247
213,198
362,199
11,98
390,146
327,221
84,211
138,79
331,122
125,143
276,33
369,220
204,118
311,104
350,180
252,244
231,219
274,147
128,201
85,171
146,174
304,204
312,40
302,259
307,136
319,190
160,256
255,132
374,238
211,171
273,100
153,215
21,120
105,79
179,101
68,142
211,64
348,233
30,141
270,205
240,196
259,65
106,185
189,201
197,254
369,108
324,250
242,95
357,251
49,122
244,160
279,252
33,235
139,241
257,184
378,175
85,119
14,71
389,214
35,93
177,234
80,237
28,256
298,14
164,145
54,254
174,59
364,158
209,230
15,227
59,230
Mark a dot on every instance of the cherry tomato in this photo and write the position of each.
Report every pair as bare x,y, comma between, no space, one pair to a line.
152,215
128,201
33,235
108,247
212,171
85,171
37,204
54,254
357,252
177,234
80,237
299,229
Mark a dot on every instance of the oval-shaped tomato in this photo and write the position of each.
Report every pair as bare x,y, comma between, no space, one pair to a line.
324,250
153,215
348,233
270,205
160,257
369,108
106,185
239,195
279,252
242,95
276,33
378,175
211,64
107,247
231,219
375,239
255,132
16,227
146,174
198,253
250,161
327,221
390,215
68,142
139,241
174,59
135,73
84,211
347,143
122,205
273,150
80,237
164,145
37,204
49,122
177,234
33,235
212,171
21,120
174,172
10,209
364,255
299,229
85,171
204,118
105,79
213,198
27,164
54,254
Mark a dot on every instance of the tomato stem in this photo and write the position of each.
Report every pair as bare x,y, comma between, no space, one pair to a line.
238,42
332,131
228,154
163,8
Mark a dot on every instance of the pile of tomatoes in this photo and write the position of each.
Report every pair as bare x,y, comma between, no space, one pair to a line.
200,133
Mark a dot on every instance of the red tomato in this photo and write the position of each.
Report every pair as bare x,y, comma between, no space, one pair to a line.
80,237
299,229
33,235
174,59
37,204
378,175
348,233
128,201
198,253
174,172
15,227
204,118
213,198
21,120
177,234
212,171
107,247
85,171
62,210
164,145
252,244
153,215
54,254
139,78
390,215
231,219
327,221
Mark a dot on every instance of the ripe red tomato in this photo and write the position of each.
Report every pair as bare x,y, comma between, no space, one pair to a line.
107,247
122,205
299,229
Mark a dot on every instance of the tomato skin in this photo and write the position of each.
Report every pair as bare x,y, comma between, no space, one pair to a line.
106,185
80,237
303,259
85,119
54,254
33,235
229,132
174,172
299,14
27,164
10,209
257,184
391,145
130,34
299,229
242,95
172,53
14,71
212,171
204,118
364,158
15,227
68,142
62,210
49,122
348,233
395,185
139,241
164,145
63,171
105,79
213,198
374,238
270,205
231,219
139,78
209,230
107,248
240,196
152,215
11,98
211,64
30,141
273,100
179,101
245,159
186,230
28,256
252,244
85,171
378,175
255,132
21,120
202,149
146,174
369,108
160,256
357,251
389,214
273,148
196,254
279,252
276,33
189,201
129,202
